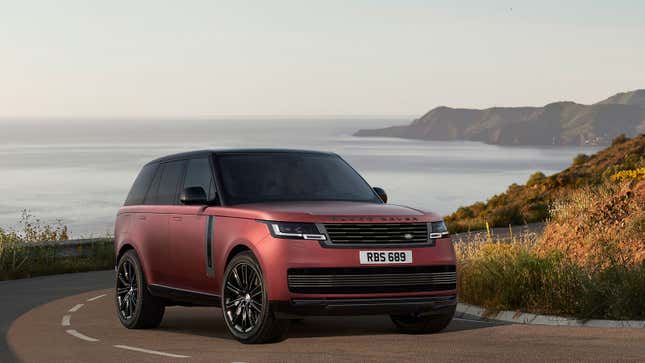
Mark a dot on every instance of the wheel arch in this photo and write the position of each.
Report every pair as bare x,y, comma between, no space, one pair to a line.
125,247
130,246
236,248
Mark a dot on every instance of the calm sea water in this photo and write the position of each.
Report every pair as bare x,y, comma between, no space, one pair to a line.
80,171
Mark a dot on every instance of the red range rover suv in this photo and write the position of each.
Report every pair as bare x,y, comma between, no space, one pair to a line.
275,235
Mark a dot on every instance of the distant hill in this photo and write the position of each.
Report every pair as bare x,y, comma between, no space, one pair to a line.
634,98
559,123
529,203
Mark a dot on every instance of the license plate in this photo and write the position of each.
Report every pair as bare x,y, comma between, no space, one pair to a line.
373,257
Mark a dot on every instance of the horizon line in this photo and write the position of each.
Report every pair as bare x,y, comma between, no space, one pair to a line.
206,117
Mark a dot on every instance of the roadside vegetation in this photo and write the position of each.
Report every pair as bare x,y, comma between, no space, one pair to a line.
23,253
588,263
528,203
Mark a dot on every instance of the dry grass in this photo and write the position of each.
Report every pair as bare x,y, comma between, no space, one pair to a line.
600,227
515,276
22,254
588,264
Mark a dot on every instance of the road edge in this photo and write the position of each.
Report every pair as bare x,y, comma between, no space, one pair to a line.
478,313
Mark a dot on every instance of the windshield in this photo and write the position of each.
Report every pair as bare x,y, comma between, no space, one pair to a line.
272,177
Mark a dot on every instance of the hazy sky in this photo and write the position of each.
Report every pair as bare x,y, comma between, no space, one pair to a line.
159,58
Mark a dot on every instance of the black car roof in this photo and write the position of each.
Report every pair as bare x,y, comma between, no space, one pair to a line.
201,153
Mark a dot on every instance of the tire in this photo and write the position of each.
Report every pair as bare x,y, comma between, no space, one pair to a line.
245,303
131,289
422,324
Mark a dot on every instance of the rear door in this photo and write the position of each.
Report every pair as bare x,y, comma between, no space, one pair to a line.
190,229
132,227
163,196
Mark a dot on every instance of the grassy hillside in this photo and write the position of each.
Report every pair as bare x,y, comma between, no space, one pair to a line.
589,262
531,202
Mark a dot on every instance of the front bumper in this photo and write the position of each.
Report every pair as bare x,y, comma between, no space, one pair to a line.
425,305
278,256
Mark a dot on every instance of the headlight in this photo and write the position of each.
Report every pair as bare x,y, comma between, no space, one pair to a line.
438,230
295,230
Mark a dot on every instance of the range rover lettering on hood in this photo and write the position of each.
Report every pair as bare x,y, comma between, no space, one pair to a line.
373,219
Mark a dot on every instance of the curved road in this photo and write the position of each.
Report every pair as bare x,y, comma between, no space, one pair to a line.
82,327
19,296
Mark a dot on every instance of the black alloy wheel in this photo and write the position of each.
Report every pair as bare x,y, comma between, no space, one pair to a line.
126,290
136,307
245,303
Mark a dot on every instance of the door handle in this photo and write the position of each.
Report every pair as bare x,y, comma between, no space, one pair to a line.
176,218
143,218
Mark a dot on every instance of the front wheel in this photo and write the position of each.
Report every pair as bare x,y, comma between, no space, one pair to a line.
245,303
421,324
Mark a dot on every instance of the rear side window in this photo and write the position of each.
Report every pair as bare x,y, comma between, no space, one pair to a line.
164,188
141,184
200,174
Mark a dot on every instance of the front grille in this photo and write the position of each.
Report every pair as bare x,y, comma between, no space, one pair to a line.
377,233
372,279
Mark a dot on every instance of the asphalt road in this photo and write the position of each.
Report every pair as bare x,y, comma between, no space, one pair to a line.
19,296
83,328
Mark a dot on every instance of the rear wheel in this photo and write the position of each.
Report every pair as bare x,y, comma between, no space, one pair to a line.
421,324
136,308
245,303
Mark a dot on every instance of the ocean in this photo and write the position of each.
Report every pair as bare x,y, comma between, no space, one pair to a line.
79,171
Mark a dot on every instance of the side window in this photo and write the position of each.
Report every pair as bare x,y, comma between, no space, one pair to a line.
164,188
200,174
151,197
141,185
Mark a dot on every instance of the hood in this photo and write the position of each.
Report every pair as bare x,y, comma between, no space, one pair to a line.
334,212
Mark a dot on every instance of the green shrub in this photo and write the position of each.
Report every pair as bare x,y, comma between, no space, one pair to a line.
504,215
536,211
617,293
580,159
464,213
619,139
514,276
535,178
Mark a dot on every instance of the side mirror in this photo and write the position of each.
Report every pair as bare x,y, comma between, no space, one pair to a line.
193,196
381,193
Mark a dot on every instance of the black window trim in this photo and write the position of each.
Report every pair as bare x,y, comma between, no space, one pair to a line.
218,180
180,182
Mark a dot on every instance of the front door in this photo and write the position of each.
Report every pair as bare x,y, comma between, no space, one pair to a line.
190,229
